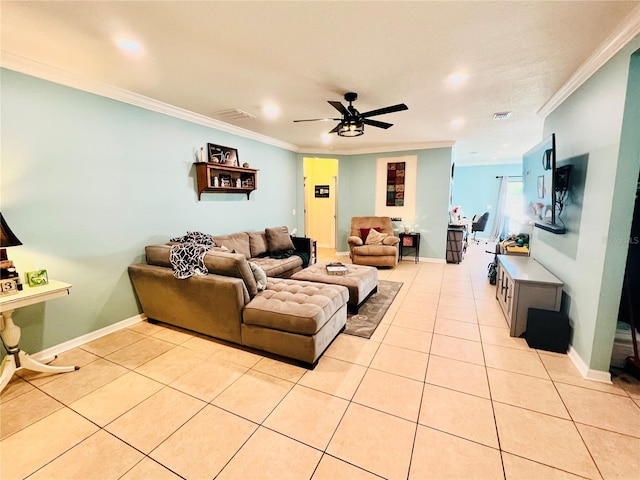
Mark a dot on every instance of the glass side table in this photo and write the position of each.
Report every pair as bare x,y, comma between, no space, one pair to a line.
410,240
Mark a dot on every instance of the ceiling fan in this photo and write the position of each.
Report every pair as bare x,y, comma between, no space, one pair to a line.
352,121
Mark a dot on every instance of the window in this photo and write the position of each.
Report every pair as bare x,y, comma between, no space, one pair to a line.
514,205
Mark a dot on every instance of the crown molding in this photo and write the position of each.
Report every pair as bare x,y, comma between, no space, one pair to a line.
380,149
56,75
53,74
480,163
629,28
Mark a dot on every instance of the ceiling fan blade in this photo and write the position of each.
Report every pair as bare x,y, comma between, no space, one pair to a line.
376,123
318,120
338,106
382,111
336,128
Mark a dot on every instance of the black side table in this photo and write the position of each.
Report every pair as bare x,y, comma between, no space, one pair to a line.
411,240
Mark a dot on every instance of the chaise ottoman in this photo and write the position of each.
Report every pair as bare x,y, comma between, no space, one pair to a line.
295,319
362,281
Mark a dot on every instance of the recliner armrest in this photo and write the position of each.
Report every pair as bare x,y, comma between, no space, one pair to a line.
355,241
390,240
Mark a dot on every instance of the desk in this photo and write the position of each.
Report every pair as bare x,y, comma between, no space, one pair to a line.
10,332
412,240
456,243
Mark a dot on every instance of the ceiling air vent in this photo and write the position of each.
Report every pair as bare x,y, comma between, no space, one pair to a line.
233,114
501,115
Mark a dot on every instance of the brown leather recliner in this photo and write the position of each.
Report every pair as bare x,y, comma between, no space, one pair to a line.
384,254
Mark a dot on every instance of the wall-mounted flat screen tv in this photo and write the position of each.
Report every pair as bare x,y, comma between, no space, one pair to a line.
542,182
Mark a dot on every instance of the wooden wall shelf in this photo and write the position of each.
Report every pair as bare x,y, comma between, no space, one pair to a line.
227,179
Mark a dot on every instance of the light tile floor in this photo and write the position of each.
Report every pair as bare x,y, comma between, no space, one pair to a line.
439,391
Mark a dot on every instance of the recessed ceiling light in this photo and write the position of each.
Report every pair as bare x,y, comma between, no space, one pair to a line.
271,111
326,138
456,122
129,45
457,78
502,115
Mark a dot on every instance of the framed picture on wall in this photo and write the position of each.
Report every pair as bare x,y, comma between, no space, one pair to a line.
223,155
395,184
321,191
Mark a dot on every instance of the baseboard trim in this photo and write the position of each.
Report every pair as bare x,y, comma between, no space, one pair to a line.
410,258
89,337
585,371
432,260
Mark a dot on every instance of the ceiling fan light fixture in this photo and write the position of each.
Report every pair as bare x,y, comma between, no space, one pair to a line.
351,129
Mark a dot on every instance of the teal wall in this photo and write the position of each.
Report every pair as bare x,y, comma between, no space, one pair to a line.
600,120
357,195
87,182
476,188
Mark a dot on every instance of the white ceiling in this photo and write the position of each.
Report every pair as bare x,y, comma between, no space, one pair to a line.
209,56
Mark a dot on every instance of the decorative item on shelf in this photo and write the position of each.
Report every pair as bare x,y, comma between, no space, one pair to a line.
238,183
336,268
223,155
247,181
202,156
245,164
8,275
225,180
215,182
37,278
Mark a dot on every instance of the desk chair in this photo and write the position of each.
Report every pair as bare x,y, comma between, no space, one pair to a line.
479,224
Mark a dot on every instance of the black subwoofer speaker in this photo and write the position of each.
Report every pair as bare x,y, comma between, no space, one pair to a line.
548,330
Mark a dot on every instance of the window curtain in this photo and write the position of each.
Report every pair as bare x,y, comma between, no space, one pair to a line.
498,224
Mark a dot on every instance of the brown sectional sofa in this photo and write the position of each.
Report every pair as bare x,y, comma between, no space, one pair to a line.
292,318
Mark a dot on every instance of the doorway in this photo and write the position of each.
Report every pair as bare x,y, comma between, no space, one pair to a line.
321,200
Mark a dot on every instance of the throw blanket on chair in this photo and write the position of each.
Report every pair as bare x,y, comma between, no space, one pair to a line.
187,259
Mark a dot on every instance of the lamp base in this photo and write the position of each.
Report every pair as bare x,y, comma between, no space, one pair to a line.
9,278
7,270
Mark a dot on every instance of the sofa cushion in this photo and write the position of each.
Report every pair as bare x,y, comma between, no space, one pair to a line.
278,238
235,241
374,237
376,250
219,263
364,232
295,306
258,243
259,275
279,267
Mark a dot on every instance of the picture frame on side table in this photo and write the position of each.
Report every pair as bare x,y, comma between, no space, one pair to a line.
223,155
37,278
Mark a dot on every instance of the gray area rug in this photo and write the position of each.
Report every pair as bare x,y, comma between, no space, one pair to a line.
371,313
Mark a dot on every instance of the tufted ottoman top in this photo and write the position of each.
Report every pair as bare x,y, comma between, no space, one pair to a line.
295,306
